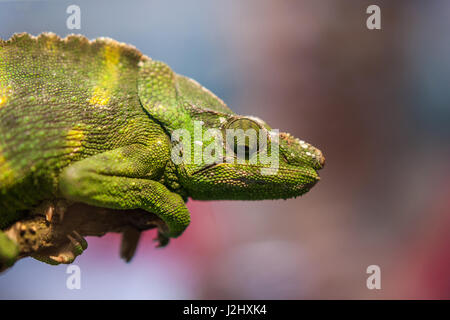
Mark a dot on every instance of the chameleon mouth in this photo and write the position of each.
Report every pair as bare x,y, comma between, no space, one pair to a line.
292,170
206,168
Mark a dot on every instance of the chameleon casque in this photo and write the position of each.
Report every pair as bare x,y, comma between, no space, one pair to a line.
91,122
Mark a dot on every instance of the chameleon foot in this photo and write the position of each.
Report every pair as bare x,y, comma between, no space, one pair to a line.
68,252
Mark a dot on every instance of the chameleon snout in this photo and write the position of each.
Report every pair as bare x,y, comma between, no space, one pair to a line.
299,152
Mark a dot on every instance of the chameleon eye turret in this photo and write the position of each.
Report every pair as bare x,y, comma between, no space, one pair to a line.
248,144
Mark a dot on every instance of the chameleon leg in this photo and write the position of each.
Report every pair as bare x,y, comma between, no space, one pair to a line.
121,179
8,251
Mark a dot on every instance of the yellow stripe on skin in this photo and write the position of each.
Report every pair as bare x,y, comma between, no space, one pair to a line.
109,76
5,89
74,139
6,173
5,94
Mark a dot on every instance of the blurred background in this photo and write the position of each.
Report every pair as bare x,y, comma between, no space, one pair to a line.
376,102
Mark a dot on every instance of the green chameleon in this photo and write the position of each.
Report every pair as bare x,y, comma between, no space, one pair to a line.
92,122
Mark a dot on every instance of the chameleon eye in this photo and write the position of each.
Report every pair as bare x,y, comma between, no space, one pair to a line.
243,137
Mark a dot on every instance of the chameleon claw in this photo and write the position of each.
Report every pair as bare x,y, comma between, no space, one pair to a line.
77,243
49,214
76,238
56,259
162,240
64,258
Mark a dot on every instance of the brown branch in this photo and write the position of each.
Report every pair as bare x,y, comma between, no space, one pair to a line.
38,236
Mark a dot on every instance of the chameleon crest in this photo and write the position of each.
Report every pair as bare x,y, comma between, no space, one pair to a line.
98,123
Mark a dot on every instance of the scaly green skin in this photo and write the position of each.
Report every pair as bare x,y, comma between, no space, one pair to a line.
90,121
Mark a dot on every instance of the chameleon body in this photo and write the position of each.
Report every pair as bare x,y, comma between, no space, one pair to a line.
91,122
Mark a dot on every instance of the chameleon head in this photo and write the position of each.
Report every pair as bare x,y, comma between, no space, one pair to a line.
271,166
211,164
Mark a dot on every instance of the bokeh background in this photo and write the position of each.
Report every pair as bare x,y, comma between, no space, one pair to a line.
377,103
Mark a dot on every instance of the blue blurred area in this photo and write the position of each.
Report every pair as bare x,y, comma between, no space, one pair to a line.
375,102
428,54
187,36
103,276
